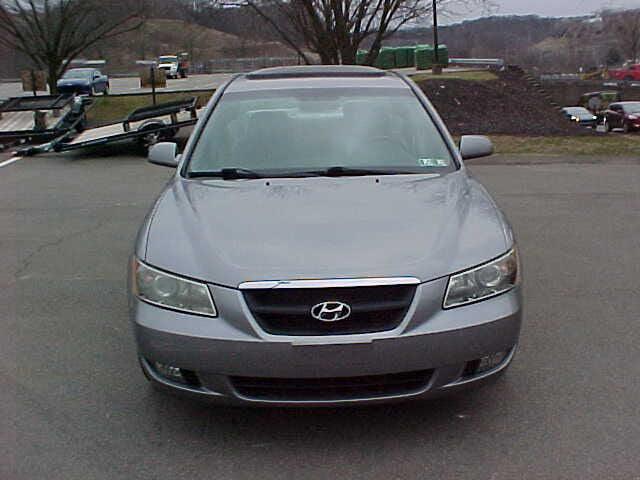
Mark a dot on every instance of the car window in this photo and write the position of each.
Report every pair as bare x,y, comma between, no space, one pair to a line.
77,74
632,108
321,128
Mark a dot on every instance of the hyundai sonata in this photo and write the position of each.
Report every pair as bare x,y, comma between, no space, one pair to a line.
322,243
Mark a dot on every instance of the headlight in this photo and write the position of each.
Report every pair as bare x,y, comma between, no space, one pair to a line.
170,291
488,280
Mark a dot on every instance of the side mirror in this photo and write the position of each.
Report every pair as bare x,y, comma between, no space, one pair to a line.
164,153
475,146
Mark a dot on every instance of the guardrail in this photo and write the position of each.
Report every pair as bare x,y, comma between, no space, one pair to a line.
487,62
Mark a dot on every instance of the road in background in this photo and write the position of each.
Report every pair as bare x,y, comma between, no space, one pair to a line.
192,82
132,84
74,404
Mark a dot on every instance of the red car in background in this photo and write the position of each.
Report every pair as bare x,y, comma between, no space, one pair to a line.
629,74
625,115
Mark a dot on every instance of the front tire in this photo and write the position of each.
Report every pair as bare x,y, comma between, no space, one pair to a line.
626,128
106,90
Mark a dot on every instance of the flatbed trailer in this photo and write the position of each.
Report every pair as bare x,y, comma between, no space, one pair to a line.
39,118
145,125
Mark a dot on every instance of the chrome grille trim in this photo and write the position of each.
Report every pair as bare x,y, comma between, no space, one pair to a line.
329,283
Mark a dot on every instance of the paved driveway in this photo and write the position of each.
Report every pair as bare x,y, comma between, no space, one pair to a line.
132,84
73,404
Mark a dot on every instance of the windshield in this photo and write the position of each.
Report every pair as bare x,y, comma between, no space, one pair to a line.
78,74
297,130
632,107
577,111
168,59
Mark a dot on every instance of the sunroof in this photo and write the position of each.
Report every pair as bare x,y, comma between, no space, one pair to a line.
318,71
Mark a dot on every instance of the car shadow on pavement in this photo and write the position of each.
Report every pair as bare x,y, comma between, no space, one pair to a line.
272,426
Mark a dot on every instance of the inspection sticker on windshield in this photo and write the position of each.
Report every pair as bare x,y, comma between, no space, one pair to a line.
433,162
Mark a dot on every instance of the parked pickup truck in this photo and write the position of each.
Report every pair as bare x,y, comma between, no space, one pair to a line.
629,73
169,63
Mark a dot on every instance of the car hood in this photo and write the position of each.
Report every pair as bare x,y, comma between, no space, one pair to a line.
229,232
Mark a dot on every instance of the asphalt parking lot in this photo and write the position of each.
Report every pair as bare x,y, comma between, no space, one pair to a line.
74,405
132,84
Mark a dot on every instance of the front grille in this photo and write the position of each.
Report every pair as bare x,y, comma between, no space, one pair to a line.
287,311
331,389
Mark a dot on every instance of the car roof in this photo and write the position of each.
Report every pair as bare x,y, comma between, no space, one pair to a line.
602,92
622,104
316,76
81,70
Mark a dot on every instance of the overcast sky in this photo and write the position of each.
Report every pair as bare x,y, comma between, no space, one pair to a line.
553,7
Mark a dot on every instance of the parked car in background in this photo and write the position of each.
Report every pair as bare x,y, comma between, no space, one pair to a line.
580,115
628,74
321,242
624,115
83,81
170,65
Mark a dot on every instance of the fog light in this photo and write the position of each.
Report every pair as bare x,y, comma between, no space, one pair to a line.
169,371
484,364
490,362
178,375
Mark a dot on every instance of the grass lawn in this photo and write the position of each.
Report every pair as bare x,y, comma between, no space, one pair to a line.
473,75
614,144
112,108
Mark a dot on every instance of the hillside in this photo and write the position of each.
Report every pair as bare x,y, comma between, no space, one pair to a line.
508,105
165,36
161,36
548,44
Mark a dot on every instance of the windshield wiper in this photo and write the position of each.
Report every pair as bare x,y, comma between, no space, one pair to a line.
244,173
354,172
227,174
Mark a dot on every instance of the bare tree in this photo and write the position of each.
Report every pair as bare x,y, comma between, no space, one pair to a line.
629,34
52,33
625,27
336,29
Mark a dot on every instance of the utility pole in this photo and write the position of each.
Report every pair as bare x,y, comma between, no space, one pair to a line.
436,69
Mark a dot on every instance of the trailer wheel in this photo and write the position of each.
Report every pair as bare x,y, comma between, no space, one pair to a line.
145,142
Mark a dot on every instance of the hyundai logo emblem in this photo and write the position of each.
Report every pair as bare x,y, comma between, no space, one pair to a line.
330,311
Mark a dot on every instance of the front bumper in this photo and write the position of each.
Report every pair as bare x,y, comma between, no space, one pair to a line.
77,89
440,343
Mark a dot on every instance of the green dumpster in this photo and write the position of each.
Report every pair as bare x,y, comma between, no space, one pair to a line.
424,57
402,57
443,55
411,56
361,56
386,58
